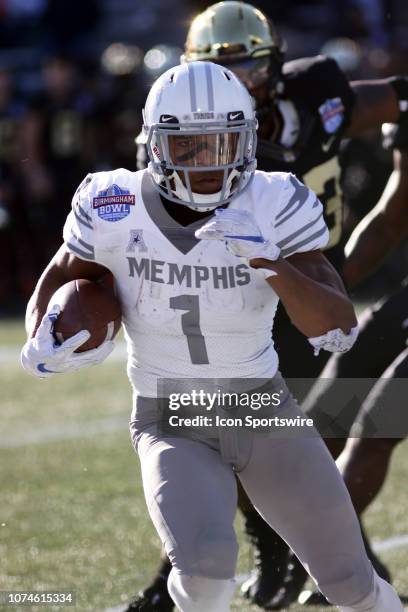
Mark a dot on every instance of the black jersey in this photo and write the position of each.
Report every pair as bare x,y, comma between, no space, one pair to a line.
315,103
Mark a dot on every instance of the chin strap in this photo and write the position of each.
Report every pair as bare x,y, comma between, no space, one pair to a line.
197,201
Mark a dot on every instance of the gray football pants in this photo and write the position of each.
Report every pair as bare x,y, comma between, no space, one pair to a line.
293,482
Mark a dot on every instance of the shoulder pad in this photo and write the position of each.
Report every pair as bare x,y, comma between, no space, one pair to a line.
112,194
315,69
120,178
314,80
309,64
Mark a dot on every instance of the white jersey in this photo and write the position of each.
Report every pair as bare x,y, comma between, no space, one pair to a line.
190,309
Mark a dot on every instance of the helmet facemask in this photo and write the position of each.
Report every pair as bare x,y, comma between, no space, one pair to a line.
202,165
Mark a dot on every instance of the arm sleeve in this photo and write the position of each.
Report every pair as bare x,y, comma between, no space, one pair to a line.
79,235
337,85
299,223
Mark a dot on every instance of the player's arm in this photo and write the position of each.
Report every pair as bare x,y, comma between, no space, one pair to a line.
293,266
311,291
41,355
377,102
382,229
63,268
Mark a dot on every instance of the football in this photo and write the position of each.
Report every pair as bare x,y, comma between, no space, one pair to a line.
86,305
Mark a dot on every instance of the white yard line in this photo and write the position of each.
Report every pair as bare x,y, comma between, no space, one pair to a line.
65,432
391,543
9,355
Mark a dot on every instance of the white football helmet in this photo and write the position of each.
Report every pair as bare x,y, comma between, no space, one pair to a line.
199,117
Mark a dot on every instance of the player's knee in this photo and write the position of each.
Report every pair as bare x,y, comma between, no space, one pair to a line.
381,598
198,593
344,579
216,557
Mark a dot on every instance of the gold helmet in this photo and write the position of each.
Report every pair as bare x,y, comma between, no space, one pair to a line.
237,33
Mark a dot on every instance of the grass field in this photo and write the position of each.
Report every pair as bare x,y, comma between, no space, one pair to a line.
72,515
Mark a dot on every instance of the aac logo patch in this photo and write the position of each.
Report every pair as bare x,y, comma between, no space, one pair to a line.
136,241
332,114
113,204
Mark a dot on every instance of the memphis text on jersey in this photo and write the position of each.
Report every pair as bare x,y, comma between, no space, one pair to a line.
221,277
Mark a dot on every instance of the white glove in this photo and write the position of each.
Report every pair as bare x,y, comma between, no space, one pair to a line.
335,341
41,356
242,236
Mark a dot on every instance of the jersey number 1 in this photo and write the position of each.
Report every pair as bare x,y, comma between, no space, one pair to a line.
190,324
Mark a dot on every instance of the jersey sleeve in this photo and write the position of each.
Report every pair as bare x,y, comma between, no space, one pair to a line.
299,225
79,234
323,87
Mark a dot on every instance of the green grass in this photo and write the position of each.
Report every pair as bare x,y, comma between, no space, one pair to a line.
72,514
12,332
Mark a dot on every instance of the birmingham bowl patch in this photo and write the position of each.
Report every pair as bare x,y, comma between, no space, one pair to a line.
332,114
113,204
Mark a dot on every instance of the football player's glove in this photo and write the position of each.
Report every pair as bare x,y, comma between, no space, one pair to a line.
334,341
242,236
41,356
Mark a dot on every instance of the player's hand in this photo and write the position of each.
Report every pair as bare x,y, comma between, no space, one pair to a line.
242,236
41,356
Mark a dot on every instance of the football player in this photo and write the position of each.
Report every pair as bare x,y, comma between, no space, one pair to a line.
381,353
305,108
202,247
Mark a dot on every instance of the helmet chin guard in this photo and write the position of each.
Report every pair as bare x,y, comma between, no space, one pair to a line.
199,119
204,202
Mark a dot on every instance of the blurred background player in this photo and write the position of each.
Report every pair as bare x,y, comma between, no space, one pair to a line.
380,356
305,108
